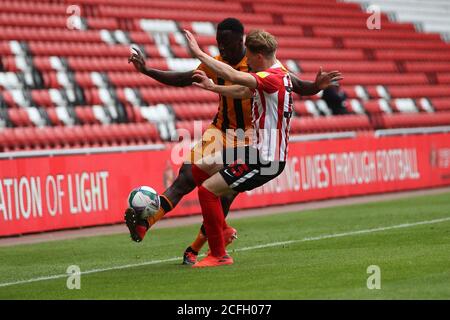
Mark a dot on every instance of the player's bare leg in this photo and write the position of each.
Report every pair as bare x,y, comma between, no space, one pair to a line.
183,184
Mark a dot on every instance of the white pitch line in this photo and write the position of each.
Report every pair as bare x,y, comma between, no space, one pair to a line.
267,245
59,276
350,233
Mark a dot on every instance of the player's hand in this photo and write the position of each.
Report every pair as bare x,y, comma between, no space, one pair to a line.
192,44
201,80
326,79
137,58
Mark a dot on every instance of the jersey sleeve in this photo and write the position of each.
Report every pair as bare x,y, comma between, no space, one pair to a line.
207,70
266,81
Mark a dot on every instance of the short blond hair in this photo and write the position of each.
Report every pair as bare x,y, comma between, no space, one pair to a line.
260,41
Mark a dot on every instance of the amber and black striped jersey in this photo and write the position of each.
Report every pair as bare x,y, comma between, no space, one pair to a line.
232,113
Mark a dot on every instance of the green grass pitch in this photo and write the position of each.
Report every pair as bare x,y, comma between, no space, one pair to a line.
317,254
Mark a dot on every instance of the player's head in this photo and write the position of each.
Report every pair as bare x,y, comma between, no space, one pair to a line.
230,40
261,48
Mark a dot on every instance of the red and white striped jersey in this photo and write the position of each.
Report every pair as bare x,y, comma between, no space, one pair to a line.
272,112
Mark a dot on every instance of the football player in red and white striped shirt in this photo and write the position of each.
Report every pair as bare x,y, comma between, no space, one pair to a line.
271,89
272,110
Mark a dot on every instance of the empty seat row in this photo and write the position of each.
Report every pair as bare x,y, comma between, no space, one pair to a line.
38,48
417,91
340,22
318,54
441,104
429,16
97,96
330,124
427,66
382,34
312,9
193,128
413,55
61,115
173,95
405,105
324,4
50,34
135,79
168,4
183,15
195,111
377,78
316,108
15,139
90,114
412,120
348,66
55,21
353,43
37,8
104,93
114,134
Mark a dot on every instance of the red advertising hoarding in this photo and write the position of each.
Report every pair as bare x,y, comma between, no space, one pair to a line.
68,191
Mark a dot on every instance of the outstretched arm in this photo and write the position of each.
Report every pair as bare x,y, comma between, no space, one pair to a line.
234,91
171,78
323,80
222,69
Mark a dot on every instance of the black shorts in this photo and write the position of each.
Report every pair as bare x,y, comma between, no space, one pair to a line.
245,175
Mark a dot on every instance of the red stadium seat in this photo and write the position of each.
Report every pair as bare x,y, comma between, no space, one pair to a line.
134,114
441,104
22,139
305,108
444,78
377,106
19,117
42,98
86,115
42,138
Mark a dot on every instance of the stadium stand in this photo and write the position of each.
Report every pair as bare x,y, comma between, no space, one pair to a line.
428,16
65,81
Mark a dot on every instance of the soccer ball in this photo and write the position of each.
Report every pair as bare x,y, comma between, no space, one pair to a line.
144,200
